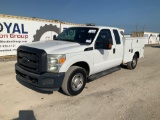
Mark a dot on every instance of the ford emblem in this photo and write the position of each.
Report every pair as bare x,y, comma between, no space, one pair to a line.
25,60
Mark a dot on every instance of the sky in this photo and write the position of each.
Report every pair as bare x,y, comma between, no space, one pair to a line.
127,14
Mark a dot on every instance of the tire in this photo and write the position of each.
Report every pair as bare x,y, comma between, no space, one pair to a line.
71,85
132,65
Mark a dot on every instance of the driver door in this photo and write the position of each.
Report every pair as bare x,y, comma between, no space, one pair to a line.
104,58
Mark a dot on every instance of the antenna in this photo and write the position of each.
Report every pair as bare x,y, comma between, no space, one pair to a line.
144,27
137,29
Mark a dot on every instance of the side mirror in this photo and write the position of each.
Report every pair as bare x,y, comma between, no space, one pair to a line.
107,46
54,37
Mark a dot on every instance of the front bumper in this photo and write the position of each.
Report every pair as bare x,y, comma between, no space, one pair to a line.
44,82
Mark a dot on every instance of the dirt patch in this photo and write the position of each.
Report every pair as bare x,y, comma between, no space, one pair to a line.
8,58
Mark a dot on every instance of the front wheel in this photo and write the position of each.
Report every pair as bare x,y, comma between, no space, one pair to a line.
74,81
132,65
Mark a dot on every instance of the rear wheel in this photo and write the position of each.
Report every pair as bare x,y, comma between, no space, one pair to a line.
132,65
74,81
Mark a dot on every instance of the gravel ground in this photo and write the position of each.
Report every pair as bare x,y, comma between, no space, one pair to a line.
8,58
122,95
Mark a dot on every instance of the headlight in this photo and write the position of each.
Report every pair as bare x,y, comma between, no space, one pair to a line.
55,62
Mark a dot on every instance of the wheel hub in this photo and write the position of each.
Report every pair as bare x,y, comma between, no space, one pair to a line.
134,62
77,82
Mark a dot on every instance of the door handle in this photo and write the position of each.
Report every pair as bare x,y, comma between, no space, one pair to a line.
114,50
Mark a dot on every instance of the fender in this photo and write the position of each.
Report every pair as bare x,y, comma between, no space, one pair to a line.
77,58
130,56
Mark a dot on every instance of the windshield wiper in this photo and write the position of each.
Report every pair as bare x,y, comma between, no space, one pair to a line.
65,40
68,40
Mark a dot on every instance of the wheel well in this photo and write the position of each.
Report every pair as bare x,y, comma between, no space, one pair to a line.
83,65
137,53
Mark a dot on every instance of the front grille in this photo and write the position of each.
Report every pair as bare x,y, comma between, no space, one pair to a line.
32,59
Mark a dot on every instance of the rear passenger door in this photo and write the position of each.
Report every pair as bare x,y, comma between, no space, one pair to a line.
118,46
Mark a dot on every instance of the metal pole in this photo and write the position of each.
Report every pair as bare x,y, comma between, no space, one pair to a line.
136,30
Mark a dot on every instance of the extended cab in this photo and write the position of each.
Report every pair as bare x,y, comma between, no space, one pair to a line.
74,56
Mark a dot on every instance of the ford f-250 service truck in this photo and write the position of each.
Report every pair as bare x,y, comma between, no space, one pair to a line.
74,56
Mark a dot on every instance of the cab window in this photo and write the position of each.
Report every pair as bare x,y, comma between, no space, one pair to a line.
117,38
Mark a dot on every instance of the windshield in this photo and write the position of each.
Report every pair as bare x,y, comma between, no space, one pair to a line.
78,34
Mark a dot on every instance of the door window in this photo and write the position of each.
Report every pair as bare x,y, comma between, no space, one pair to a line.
117,38
103,37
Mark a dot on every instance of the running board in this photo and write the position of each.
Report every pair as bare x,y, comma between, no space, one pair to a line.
103,73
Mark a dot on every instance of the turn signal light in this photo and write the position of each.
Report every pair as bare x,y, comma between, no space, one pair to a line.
61,60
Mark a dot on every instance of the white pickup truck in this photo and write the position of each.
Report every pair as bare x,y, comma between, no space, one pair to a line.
74,56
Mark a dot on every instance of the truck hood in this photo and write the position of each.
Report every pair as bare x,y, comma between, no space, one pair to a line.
58,47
